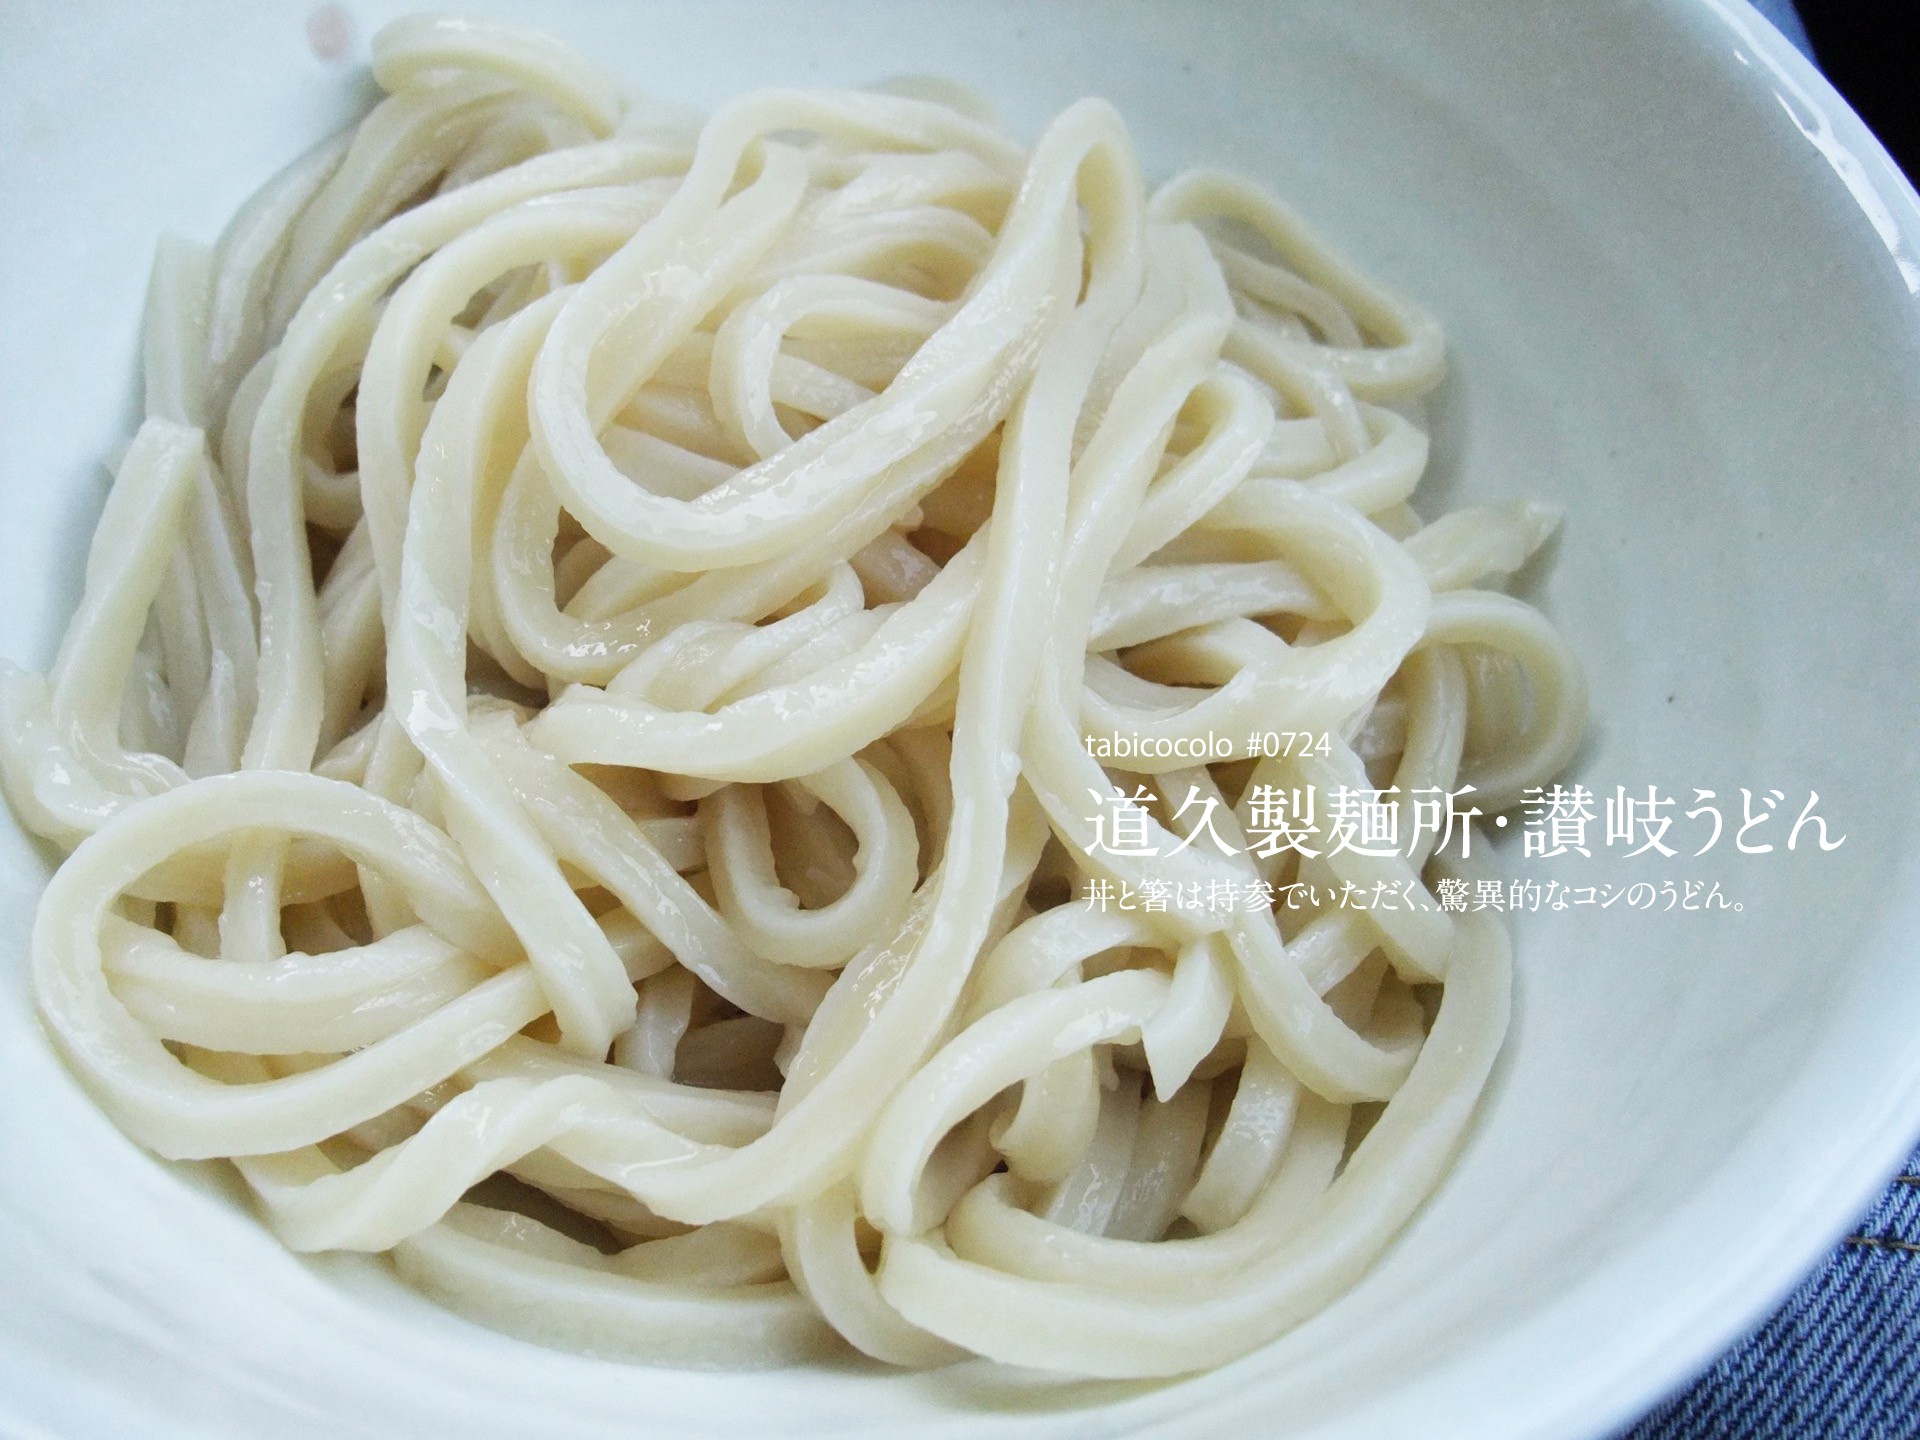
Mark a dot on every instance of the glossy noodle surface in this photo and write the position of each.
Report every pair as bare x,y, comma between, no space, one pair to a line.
574,755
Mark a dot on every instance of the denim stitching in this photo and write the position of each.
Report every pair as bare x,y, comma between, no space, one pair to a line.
1839,1361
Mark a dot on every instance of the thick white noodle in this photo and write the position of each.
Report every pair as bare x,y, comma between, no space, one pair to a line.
571,754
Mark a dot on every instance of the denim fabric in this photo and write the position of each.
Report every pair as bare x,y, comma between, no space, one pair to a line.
1839,1361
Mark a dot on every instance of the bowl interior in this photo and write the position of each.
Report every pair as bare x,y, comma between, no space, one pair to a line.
1678,281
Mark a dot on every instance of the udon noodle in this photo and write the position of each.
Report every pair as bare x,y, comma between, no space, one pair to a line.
573,754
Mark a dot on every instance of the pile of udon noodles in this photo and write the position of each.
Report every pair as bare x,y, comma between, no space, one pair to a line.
571,748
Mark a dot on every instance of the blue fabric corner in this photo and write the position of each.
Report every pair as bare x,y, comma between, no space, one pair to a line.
1839,1361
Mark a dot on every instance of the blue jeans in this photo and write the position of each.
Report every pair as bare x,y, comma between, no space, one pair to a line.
1840,1359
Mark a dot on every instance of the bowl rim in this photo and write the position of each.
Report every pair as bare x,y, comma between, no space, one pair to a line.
1788,1224
1785,1232
1792,1232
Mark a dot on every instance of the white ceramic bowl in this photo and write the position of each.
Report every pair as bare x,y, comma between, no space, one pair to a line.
1680,280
